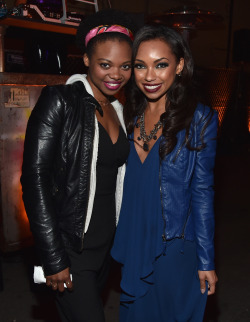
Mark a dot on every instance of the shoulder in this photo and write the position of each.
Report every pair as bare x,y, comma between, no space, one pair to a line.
205,123
55,101
204,114
64,94
66,89
202,111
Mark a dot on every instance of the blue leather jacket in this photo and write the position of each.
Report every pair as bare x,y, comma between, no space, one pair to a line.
186,183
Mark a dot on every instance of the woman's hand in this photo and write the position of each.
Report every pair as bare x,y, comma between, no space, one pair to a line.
57,281
211,278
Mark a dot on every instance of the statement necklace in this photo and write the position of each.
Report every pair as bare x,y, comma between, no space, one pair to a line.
143,136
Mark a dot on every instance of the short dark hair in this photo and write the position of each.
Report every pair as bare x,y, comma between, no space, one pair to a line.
103,17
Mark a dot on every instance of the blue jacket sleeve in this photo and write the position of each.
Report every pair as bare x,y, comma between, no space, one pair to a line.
203,190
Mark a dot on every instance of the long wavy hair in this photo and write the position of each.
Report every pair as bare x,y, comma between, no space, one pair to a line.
181,100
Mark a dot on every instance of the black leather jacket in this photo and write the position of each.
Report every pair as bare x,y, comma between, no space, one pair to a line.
56,170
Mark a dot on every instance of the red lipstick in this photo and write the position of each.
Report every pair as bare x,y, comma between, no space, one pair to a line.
113,86
152,88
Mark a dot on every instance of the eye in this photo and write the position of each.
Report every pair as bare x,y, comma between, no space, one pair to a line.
105,65
139,66
162,65
126,67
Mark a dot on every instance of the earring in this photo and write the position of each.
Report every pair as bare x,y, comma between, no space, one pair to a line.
179,75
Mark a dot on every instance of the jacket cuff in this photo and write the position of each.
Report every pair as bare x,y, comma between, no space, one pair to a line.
54,268
206,267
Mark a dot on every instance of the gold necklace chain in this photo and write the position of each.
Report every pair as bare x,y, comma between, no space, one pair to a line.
102,103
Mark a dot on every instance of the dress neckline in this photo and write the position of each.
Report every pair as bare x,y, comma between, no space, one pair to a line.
113,143
134,143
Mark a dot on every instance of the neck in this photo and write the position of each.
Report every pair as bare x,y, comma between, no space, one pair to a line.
155,108
103,103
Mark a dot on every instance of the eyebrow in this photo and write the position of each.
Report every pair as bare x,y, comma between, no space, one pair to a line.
156,61
110,61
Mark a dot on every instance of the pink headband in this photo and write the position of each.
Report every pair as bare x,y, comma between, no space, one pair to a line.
104,28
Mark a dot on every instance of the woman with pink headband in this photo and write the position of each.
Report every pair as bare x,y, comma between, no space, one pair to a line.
73,168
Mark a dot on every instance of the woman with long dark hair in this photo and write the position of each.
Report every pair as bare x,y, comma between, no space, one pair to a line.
164,238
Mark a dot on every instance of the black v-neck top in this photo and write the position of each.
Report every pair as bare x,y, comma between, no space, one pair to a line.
103,223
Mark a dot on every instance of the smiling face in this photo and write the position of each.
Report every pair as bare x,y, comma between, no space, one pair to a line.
156,68
109,67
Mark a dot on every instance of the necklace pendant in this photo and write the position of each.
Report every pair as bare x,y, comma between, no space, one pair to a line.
143,136
145,147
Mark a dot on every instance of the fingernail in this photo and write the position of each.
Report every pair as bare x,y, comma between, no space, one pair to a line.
202,290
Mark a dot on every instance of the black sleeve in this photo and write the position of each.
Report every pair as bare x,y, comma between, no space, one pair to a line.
42,136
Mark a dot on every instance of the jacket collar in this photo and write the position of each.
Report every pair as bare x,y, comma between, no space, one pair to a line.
77,78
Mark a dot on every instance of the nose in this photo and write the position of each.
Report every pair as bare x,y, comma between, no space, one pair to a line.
115,73
150,74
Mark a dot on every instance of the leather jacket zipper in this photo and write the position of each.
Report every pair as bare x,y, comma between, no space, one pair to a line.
84,224
86,211
96,106
164,221
185,224
83,233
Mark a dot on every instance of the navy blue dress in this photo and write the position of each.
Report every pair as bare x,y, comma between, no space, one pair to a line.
159,279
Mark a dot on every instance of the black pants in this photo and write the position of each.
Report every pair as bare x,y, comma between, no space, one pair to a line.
84,303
